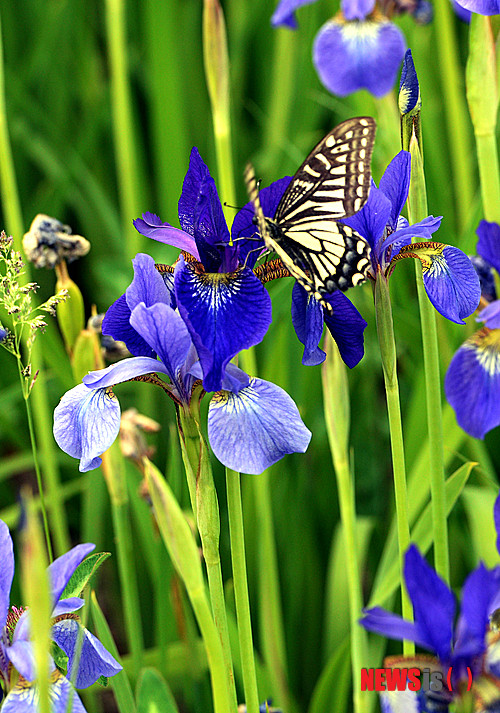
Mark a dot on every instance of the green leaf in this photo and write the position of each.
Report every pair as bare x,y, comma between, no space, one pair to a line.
83,573
153,694
478,504
332,690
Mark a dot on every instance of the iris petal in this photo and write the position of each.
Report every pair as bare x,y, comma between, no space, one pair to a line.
371,220
284,15
95,660
472,383
490,315
358,55
307,320
253,429
6,571
356,9
116,323
224,313
452,284
393,626
346,326
488,245
62,569
152,227
86,422
478,592
482,7
395,184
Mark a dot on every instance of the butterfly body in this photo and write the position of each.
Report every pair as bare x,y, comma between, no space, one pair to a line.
332,183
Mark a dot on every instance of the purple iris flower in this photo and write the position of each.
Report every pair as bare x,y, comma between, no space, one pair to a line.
449,278
251,422
358,49
472,383
467,644
223,303
481,7
345,323
17,670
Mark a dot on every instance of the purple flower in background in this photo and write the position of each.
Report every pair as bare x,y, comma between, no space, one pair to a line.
17,671
359,48
450,280
472,383
251,422
481,7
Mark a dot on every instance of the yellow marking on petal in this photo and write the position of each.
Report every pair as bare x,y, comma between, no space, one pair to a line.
486,345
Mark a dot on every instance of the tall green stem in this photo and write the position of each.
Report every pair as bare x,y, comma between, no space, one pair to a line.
385,331
238,559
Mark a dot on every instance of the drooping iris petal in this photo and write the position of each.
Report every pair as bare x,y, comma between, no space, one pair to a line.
472,383
169,336
124,370
253,429
307,320
86,422
152,227
68,606
390,625
224,313
371,220
482,7
451,283
25,699
285,13
62,569
490,315
346,326
478,592
356,9
6,571
116,323
488,245
395,184
486,278
358,55
94,660
433,604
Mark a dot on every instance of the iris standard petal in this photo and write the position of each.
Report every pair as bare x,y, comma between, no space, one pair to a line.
371,220
423,229
490,315
472,383
488,245
94,661
284,15
253,429
308,322
67,606
451,283
395,184
148,286
6,571
346,326
358,55
224,313
86,422
433,604
356,9
461,12
116,323
124,370
478,592
390,625
152,227
62,569
482,7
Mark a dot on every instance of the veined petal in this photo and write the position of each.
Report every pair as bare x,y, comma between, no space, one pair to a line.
95,660
346,326
116,323
284,15
6,571
224,312
395,184
24,697
356,9
390,625
253,429
124,370
482,7
148,285
488,245
433,604
478,592
371,220
86,422
62,569
451,283
22,657
423,229
308,322
472,383
152,227
358,55
490,315
67,606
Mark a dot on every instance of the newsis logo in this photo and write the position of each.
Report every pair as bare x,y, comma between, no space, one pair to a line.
411,679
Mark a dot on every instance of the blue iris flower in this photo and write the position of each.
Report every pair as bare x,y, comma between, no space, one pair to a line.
17,671
472,383
468,644
252,423
481,7
360,48
449,278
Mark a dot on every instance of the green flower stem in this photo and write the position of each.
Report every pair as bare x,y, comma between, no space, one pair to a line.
385,331
113,467
238,557
126,159
417,210
217,75
337,417
41,411
482,95
197,461
455,108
